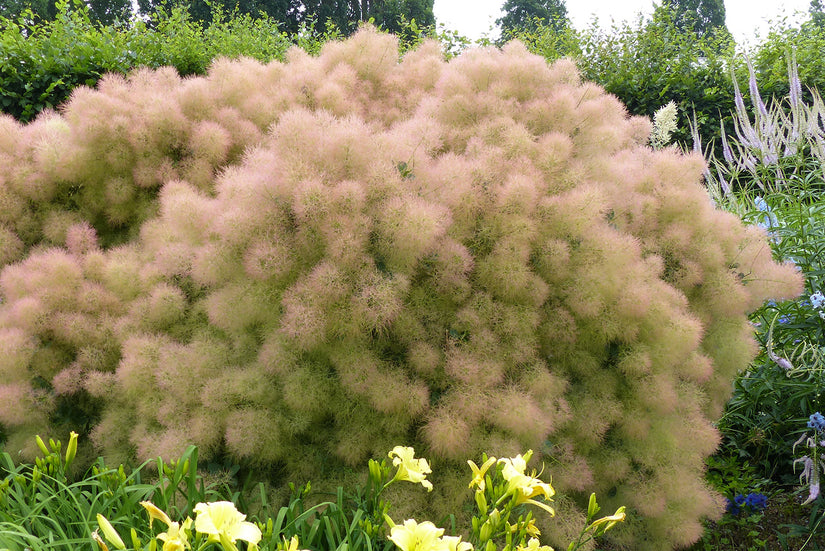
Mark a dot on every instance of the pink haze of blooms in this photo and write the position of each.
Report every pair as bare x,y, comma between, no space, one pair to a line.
308,263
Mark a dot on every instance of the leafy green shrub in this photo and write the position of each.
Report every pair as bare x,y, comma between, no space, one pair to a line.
300,264
806,43
40,64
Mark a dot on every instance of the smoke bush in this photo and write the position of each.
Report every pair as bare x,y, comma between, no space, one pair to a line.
305,263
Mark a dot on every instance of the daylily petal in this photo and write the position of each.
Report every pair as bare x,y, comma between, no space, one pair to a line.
480,472
247,531
409,468
412,536
155,513
611,520
542,505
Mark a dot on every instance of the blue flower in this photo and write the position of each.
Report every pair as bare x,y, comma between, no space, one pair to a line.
756,501
771,304
767,220
732,507
784,319
816,421
818,300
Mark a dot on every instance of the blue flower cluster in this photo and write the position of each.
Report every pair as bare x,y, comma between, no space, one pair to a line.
818,302
816,421
754,501
768,219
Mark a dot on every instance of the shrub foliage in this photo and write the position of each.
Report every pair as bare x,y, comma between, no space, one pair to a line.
302,264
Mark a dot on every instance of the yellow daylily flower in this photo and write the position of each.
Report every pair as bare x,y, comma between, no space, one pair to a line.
222,522
514,466
426,536
175,538
412,536
454,543
610,521
155,514
109,532
534,545
480,473
525,487
530,528
410,468
292,544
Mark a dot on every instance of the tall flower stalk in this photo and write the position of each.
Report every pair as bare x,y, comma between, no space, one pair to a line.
813,464
771,143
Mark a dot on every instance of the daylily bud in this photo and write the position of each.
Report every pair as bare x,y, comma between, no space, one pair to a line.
388,520
490,546
110,533
155,513
41,445
495,516
375,472
481,501
486,531
592,507
71,449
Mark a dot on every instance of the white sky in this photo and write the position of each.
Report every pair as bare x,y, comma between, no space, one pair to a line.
744,18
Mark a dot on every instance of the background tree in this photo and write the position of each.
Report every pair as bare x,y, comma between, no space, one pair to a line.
101,11
522,14
287,12
703,17
109,11
43,9
344,14
388,13
817,11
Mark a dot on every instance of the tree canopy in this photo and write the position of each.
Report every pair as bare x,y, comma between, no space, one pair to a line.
522,14
817,11
703,17
345,14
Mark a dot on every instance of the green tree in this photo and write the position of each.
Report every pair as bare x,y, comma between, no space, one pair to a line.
344,14
522,15
101,11
109,11
817,11
42,9
386,14
703,17
287,12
